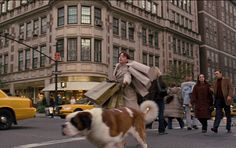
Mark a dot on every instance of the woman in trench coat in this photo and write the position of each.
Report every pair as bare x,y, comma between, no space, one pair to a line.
123,76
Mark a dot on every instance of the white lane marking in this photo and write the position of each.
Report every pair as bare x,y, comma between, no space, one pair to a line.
50,142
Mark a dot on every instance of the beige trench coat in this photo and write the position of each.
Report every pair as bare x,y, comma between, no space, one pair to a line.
121,75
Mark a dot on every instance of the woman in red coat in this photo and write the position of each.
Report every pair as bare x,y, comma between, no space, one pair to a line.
202,101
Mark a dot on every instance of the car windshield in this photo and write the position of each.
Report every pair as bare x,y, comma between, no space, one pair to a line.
84,101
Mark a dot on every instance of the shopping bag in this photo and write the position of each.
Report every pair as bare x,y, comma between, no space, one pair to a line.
102,92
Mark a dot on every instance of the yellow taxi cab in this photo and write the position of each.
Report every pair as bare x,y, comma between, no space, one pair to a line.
80,105
13,109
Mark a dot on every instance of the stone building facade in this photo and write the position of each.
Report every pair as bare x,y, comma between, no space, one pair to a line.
217,26
88,36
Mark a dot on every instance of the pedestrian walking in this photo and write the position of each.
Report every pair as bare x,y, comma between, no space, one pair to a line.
174,106
223,92
157,92
186,91
202,101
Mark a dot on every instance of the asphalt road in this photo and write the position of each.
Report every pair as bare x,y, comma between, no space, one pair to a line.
45,132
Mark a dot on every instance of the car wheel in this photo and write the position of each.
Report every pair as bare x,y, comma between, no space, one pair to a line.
78,109
6,119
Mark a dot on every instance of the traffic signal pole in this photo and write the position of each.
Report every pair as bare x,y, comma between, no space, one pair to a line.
54,60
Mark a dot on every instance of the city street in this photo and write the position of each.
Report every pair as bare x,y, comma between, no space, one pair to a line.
45,132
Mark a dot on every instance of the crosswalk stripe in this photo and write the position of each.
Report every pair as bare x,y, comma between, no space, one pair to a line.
50,142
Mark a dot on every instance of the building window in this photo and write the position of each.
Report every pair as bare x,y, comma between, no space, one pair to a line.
72,15
9,5
72,49
115,26
27,59
60,48
116,52
36,28
43,57
129,1
151,60
21,32
28,30
178,47
156,45
43,25
5,68
35,58
150,38
157,61
131,31
23,2
174,45
3,8
1,65
20,61
131,54
98,17
143,4
144,36
154,8
86,15
145,58
148,5
85,49
60,17
97,50
123,29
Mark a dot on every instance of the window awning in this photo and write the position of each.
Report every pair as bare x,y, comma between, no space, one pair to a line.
71,86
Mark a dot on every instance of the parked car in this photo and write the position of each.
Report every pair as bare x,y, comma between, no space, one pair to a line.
64,110
13,109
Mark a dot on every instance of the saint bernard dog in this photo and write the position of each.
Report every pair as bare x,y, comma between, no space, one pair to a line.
107,128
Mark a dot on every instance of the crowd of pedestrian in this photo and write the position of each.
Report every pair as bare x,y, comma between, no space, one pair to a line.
190,100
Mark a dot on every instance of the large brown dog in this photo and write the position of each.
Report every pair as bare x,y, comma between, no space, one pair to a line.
107,128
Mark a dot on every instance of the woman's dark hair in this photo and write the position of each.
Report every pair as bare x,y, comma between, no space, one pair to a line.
125,54
198,82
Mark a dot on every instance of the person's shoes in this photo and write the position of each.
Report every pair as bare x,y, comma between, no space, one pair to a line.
162,133
189,128
229,131
204,131
215,130
170,128
195,127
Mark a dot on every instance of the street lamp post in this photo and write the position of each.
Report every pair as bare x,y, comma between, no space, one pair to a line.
54,60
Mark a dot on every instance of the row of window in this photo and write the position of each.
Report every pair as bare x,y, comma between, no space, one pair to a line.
72,15
148,58
182,47
31,59
227,11
9,5
183,66
27,30
183,4
181,20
